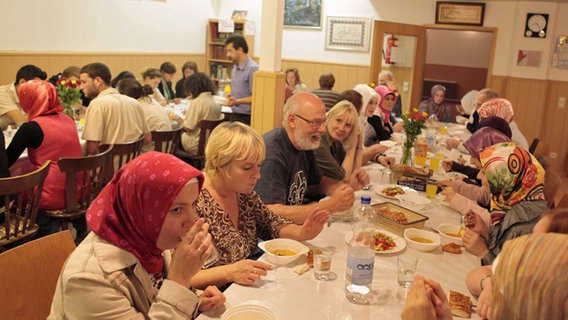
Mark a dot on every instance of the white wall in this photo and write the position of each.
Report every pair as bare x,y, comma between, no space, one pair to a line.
179,26
104,25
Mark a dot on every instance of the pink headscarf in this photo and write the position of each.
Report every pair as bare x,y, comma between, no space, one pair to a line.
130,211
497,107
384,91
38,98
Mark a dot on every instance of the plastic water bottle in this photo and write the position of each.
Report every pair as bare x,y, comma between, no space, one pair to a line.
360,256
431,138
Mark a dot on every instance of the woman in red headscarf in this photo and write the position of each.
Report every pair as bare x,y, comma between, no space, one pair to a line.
118,271
49,135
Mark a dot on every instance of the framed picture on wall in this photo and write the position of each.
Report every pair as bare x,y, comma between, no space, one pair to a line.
464,13
347,33
303,13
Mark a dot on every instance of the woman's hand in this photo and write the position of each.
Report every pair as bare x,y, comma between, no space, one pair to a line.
447,165
452,143
425,301
397,127
449,194
484,300
473,221
313,224
191,253
387,162
211,298
246,272
474,243
444,183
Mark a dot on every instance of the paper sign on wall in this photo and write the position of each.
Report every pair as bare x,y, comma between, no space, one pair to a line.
227,25
528,58
249,28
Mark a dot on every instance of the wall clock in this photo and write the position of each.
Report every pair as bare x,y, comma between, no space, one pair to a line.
536,25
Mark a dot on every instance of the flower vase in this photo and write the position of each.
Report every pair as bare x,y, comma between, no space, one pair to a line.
407,147
68,110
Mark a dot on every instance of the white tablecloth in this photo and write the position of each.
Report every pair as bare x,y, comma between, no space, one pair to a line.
291,296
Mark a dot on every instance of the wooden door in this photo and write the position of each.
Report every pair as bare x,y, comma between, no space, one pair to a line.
415,72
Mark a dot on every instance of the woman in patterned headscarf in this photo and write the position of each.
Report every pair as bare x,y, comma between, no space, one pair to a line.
117,272
49,135
502,108
515,179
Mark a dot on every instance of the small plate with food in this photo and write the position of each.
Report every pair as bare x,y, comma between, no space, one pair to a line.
383,241
391,190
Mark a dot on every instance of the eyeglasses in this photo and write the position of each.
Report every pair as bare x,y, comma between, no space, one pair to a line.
313,123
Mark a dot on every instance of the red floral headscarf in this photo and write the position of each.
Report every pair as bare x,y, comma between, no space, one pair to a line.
38,98
514,175
130,210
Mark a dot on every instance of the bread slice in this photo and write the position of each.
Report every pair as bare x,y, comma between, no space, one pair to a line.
460,304
452,247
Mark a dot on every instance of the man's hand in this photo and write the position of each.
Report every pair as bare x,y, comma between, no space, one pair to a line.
342,197
359,179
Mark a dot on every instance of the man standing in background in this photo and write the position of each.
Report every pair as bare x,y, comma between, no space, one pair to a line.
240,98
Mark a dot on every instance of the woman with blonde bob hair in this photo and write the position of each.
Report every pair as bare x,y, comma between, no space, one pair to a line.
236,214
338,155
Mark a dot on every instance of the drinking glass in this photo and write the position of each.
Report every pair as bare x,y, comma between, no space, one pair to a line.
214,257
434,164
322,265
431,189
406,270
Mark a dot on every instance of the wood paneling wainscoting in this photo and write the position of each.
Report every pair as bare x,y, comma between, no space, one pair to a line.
55,62
535,101
536,112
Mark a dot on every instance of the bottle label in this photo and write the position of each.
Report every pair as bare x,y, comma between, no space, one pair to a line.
360,265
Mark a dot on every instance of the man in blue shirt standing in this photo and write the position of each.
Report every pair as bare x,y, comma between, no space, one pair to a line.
241,78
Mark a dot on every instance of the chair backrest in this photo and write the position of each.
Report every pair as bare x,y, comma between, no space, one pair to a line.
121,154
19,199
84,179
533,145
559,198
29,273
166,141
206,126
552,182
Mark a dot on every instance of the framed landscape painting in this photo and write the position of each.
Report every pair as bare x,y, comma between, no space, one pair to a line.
303,13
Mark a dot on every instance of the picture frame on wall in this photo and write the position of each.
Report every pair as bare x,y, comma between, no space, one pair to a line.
347,33
462,13
303,14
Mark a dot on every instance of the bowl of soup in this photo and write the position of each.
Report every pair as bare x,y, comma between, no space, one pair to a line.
283,251
451,233
421,240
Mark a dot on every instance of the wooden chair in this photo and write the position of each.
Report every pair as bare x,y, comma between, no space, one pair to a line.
84,179
534,145
198,160
29,274
552,183
560,197
19,197
121,154
166,141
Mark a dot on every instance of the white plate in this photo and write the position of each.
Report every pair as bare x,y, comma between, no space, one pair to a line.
378,189
400,242
388,143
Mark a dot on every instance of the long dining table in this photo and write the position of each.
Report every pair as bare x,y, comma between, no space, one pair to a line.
293,296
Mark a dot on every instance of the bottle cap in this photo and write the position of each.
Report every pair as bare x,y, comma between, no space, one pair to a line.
366,199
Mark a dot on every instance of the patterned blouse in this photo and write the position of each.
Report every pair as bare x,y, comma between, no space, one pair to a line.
255,221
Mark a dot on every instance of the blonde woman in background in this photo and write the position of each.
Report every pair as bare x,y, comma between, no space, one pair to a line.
338,155
153,77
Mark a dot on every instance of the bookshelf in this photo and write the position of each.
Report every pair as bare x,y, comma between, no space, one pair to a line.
219,67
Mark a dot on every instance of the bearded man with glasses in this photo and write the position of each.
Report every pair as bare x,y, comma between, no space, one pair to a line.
290,168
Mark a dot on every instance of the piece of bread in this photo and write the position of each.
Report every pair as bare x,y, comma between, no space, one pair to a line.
302,269
452,247
460,304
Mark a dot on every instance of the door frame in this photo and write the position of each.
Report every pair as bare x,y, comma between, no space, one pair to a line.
384,27
381,28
